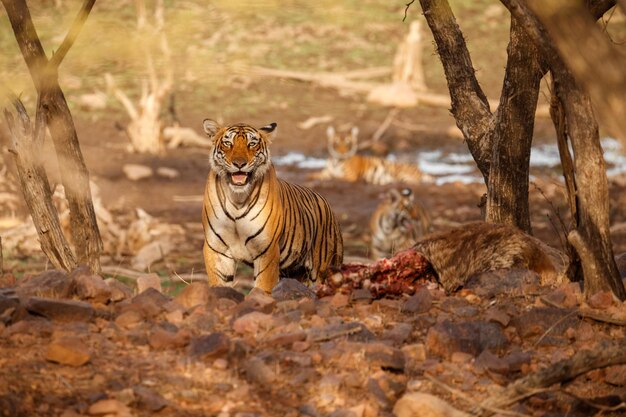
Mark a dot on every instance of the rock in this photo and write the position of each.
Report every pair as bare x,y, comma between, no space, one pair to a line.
89,286
361,295
418,303
152,252
136,172
34,326
215,344
257,371
384,356
488,361
536,321
601,300
616,375
228,293
150,302
8,306
166,172
307,306
297,358
149,399
415,352
60,310
399,333
339,300
68,351
497,315
251,323
309,410
161,339
384,390
286,338
129,319
516,360
119,290
461,357
49,284
149,281
332,331
108,407
424,405
291,289
471,337
262,301
194,294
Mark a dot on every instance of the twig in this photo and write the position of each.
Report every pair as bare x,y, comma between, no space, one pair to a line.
556,323
602,408
406,9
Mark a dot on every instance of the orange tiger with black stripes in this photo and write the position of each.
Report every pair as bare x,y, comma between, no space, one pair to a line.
249,215
345,164
397,223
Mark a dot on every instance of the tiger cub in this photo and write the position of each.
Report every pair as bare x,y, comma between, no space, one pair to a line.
345,164
250,215
397,223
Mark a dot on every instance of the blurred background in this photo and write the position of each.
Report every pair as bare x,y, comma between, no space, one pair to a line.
304,65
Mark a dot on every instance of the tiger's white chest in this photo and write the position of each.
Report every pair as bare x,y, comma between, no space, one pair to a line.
238,232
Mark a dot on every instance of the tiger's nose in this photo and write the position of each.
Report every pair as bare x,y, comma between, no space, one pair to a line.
239,163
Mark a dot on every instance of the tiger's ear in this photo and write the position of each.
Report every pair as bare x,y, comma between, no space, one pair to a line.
210,127
394,195
330,132
354,132
269,128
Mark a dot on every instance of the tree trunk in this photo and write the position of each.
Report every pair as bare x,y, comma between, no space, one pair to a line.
74,174
27,142
589,186
591,238
500,144
507,190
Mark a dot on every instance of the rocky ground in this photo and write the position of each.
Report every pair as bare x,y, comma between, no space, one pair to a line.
78,345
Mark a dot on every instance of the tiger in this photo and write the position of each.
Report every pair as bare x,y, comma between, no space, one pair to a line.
344,163
251,216
397,223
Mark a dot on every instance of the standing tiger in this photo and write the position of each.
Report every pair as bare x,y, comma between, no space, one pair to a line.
397,223
345,164
250,215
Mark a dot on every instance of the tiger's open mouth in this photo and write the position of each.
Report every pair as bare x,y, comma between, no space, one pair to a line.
239,178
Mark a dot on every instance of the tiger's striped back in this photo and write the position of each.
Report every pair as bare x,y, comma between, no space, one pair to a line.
397,223
251,216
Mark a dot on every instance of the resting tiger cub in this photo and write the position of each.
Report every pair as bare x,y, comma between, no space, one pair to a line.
397,223
250,215
345,164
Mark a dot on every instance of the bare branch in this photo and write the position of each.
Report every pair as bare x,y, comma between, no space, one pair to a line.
563,371
72,34
406,9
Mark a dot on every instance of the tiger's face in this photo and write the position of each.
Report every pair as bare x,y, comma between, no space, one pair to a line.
344,145
405,213
240,154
